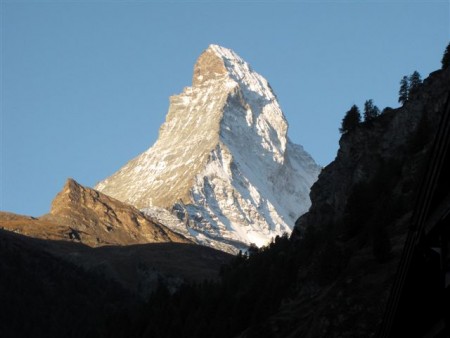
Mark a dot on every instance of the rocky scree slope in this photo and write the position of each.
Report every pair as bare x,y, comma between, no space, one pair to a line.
223,171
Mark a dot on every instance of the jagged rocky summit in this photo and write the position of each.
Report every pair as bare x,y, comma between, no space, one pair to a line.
223,171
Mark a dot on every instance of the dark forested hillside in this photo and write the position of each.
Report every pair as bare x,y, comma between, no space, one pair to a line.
45,296
67,289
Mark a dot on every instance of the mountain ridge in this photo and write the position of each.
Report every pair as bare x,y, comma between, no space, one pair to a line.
83,214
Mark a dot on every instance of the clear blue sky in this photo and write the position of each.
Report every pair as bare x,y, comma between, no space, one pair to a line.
85,84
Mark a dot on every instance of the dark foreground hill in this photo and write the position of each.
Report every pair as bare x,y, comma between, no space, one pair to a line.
65,289
46,296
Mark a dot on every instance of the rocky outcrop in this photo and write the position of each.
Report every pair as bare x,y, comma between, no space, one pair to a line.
85,215
208,67
223,164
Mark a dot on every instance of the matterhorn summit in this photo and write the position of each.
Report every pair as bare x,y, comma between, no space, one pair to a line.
223,171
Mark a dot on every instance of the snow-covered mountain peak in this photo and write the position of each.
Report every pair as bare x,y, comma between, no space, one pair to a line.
223,163
250,97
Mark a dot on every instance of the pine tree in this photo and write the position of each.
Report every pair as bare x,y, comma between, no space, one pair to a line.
370,111
351,119
404,90
414,82
446,58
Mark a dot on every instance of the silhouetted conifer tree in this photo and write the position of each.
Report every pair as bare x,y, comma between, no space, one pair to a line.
446,58
351,119
404,90
414,82
370,111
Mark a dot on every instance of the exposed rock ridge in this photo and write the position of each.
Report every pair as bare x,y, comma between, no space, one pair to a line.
85,215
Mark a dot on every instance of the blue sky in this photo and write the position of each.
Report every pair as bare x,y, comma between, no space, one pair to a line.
85,84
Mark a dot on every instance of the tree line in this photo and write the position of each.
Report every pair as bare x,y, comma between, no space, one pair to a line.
353,118
408,87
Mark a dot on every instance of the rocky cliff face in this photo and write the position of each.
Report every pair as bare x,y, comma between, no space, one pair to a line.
355,230
222,165
399,137
87,216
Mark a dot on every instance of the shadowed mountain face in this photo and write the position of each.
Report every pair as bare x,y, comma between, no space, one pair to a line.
398,141
66,289
139,268
362,206
43,295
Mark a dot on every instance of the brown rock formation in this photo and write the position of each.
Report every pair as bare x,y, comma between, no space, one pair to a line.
33,227
85,215
208,67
